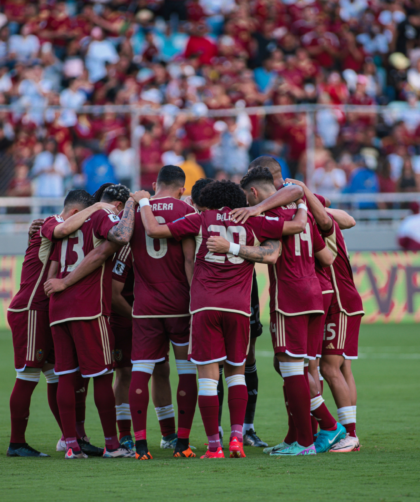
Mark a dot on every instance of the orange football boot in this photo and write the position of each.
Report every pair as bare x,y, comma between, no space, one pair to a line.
214,454
236,448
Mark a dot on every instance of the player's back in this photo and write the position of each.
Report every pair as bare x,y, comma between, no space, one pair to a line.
35,269
91,296
294,286
348,297
161,285
223,282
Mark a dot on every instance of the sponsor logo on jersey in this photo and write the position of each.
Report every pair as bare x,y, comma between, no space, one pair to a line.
330,346
118,268
39,355
114,217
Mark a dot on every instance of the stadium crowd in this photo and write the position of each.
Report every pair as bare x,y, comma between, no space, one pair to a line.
204,55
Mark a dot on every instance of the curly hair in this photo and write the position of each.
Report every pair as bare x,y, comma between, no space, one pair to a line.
198,186
115,192
98,194
257,175
222,194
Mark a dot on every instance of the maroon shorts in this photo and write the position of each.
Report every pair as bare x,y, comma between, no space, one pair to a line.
84,345
32,338
341,335
219,336
289,334
123,335
316,329
151,337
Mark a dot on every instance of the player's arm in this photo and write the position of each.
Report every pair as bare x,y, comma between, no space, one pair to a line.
73,223
298,224
188,248
119,304
267,252
325,257
317,209
151,225
282,197
89,264
343,219
35,226
121,234
53,270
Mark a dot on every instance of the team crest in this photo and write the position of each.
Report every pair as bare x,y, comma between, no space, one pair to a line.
118,355
39,355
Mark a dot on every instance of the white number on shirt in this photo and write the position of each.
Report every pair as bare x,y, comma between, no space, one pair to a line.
163,243
228,234
304,236
77,248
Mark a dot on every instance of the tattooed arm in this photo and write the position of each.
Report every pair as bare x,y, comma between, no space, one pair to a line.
267,253
121,234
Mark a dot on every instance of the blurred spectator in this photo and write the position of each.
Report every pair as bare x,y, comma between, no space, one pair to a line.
19,186
231,154
363,180
386,183
123,159
24,47
96,171
73,97
193,172
408,181
100,52
330,179
202,137
49,171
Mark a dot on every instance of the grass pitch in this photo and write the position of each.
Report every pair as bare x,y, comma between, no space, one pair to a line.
386,469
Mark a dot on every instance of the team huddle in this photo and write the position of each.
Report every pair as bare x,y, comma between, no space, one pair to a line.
117,278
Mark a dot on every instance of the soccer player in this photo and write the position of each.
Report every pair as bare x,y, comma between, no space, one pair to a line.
295,305
29,321
220,299
342,327
163,269
79,320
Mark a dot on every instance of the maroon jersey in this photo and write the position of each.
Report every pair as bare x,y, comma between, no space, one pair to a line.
223,282
90,297
161,286
35,267
348,299
122,271
294,286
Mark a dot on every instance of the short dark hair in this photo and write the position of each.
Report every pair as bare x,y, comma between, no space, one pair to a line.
171,175
265,161
223,193
80,198
98,194
257,175
198,186
115,192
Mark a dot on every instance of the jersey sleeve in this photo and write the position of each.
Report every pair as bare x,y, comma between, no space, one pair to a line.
105,220
189,225
327,233
47,229
267,227
122,264
320,198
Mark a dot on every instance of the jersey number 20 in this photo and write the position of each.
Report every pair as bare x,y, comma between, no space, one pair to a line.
227,233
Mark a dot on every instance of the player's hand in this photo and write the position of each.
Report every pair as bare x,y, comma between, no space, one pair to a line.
141,194
54,286
188,200
296,182
35,226
217,244
105,205
241,214
300,201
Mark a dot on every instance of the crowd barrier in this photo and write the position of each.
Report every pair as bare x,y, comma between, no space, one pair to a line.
389,284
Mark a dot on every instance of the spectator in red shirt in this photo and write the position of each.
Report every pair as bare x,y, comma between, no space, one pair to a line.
199,44
202,136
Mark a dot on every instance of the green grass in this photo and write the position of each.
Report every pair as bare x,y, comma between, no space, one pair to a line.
386,469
